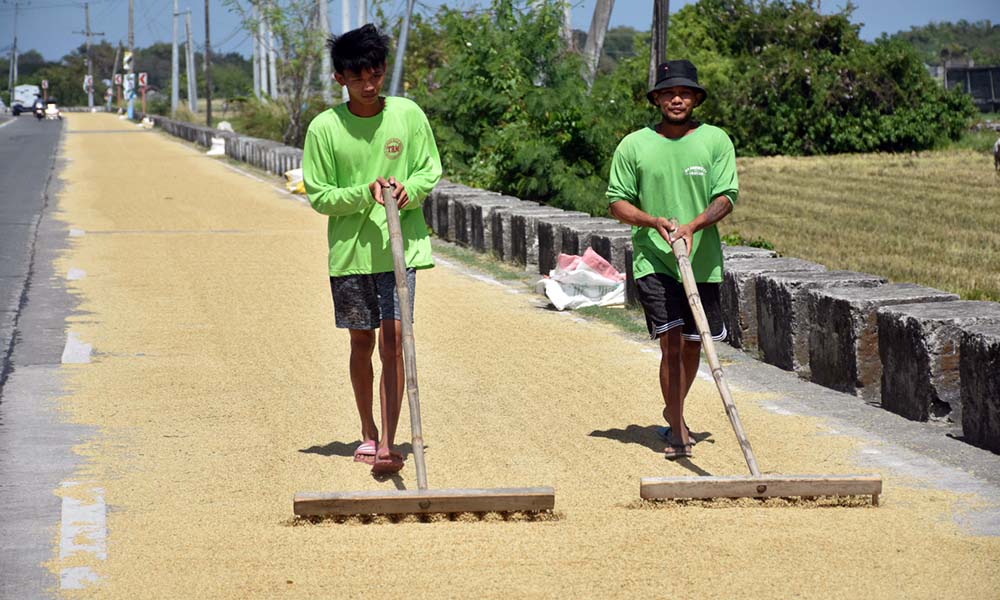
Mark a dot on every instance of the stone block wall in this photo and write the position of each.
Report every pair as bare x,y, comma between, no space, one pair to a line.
739,292
843,335
920,347
979,376
785,313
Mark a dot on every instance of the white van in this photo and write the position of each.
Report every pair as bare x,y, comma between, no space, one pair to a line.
24,98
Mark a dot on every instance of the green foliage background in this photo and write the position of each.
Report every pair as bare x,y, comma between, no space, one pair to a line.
963,40
512,113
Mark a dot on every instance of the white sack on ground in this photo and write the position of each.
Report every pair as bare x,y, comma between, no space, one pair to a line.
579,281
218,147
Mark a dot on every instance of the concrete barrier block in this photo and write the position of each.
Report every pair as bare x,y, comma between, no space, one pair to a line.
732,252
481,226
615,247
843,336
550,239
500,242
505,244
739,294
784,314
460,216
920,348
979,377
576,236
524,233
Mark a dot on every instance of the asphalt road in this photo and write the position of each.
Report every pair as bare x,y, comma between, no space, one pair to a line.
35,446
27,157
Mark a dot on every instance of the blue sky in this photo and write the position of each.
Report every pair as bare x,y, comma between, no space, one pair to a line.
49,25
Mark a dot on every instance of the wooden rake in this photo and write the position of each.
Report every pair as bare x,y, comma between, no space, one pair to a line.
756,485
421,500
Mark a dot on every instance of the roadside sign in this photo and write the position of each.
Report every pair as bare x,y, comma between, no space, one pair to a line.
130,86
142,79
45,84
118,78
88,83
127,61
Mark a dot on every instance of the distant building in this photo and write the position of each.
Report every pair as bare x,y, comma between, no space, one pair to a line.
982,83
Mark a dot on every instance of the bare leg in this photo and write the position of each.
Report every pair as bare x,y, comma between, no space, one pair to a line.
362,377
393,380
672,383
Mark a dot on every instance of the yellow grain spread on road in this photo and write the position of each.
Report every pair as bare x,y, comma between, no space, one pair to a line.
220,387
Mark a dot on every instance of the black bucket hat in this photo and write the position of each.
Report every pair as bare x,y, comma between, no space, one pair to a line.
676,72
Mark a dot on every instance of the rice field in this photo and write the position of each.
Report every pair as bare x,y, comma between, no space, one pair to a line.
930,218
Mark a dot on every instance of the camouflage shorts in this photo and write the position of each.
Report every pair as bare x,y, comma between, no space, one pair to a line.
363,301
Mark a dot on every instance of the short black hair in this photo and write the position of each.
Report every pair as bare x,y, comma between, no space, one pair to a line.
359,49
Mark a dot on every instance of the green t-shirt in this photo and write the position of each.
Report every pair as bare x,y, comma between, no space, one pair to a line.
675,178
343,154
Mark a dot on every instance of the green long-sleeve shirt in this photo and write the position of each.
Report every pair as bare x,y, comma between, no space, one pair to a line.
343,154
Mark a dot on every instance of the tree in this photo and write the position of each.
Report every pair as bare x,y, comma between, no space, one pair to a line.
299,41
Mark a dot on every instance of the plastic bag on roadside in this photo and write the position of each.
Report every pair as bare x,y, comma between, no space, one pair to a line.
579,281
218,147
294,182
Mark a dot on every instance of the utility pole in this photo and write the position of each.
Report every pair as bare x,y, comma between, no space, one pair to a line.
191,72
345,26
256,53
658,42
397,67
175,76
12,71
208,69
362,12
324,70
272,63
114,72
90,57
131,72
261,52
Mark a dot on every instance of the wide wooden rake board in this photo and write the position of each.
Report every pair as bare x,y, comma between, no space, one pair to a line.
379,502
764,486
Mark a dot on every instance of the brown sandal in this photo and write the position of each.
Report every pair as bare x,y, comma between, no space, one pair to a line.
675,451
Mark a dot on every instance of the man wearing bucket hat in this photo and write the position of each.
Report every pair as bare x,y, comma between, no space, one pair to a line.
685,170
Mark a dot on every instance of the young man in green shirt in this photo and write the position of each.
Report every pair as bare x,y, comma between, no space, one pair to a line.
685,170
351,152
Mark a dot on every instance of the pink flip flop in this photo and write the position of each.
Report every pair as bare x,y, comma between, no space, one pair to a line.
365,452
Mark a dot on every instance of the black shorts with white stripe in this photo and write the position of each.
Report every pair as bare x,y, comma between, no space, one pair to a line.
666,307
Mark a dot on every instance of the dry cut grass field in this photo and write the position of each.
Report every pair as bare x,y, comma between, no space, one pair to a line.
931,218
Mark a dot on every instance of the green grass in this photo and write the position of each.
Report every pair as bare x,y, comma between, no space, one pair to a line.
629,320
484,262
930,218
976,141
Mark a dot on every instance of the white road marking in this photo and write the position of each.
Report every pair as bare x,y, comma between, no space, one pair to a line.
76,232
75,351
76,274
83,531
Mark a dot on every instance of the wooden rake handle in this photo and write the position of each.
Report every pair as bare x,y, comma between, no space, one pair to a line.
691,288
406,322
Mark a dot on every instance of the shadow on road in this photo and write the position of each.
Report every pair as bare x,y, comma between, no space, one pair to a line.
347,449
647,436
